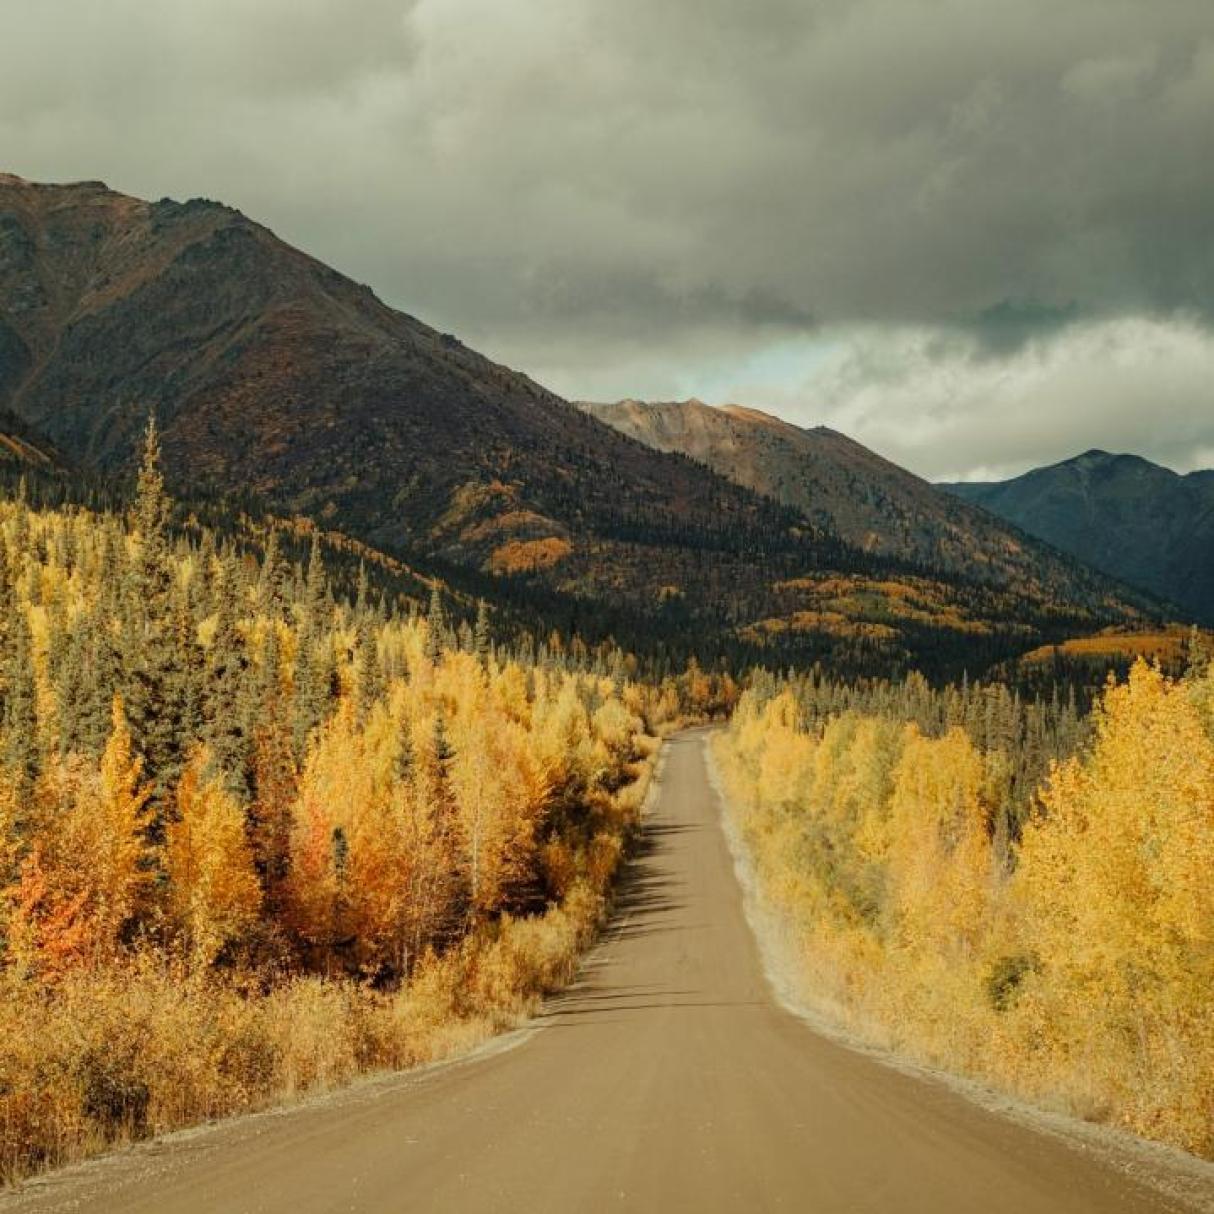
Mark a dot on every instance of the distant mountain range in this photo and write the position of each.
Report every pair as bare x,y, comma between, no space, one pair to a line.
1139,522
273,377
848,489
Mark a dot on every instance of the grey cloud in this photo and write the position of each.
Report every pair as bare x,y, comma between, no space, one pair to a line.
890,160
617,183
931,404
1010,325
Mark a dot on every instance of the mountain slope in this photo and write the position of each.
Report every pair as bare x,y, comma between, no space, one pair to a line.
1135,520
272,375
844,487
21,448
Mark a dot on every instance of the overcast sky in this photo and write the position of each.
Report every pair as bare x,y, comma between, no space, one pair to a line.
975,234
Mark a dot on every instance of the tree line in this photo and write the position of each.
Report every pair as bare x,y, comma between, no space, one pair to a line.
1000,886
257,833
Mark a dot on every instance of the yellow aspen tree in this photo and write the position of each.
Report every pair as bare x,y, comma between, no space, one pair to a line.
119,860
561,738
213,894
501,792
939,855
10,844
64,912
1114,875
786,756
348,871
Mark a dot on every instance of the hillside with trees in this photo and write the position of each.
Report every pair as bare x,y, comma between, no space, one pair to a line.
843,487
257,836
1133,519
1002,888
282,387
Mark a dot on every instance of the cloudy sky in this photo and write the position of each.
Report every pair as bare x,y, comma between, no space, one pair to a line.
975,234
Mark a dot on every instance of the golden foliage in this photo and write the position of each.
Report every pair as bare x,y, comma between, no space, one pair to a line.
409,838
1167,645
213,893
529,556
1118,907
64,912
1082,969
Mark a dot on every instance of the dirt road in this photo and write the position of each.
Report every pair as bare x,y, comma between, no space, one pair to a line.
667,1080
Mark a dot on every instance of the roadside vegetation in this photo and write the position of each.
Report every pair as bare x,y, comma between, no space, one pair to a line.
1001,889
256,839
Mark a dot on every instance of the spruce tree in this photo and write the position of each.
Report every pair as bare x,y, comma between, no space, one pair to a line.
370,671
315,583
482,640
436,628
71,679
154,680
8,597
20,740
225,714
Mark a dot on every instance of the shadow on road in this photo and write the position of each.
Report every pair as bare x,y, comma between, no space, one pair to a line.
645,905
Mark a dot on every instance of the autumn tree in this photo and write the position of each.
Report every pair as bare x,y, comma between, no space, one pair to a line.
64,913
1114,874
213,893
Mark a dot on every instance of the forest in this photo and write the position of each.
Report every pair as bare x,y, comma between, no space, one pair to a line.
276,811
258,836
998,887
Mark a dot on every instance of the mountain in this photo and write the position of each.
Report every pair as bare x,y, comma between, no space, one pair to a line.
1133,519
273,374
276,380
844,487
22,449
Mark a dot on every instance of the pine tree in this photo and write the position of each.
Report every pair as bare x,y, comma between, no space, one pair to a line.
150,514
436,628
8,600
315,584
271,588
482,642
20,718
72,684
370,671
154,679
313,680
224,709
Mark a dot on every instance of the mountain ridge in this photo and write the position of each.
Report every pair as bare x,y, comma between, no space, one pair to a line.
1134,519
844,486
274,376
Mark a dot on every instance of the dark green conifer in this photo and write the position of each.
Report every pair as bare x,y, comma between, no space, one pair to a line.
370,671
482,639
156,683
225,713
20,719
436,621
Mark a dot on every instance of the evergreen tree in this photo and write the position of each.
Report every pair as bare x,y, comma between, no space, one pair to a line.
8,598
436,627
20,741
482,640
225,712
271,588
315,595
370,672
156,681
